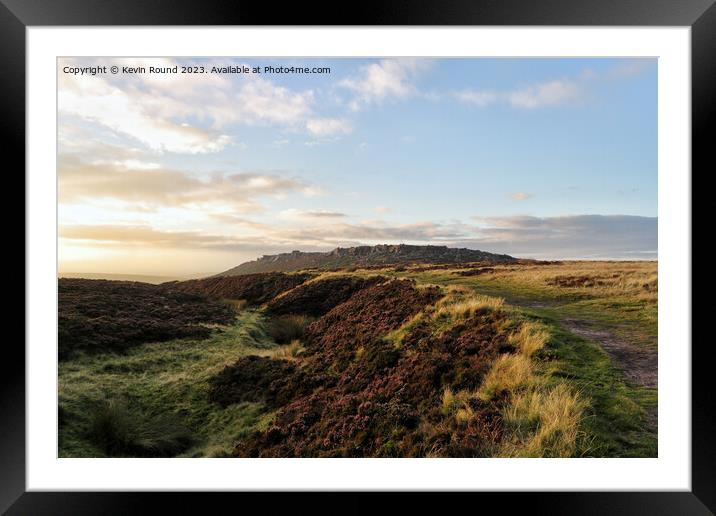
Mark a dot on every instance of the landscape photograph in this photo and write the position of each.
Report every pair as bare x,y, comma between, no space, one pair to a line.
360,257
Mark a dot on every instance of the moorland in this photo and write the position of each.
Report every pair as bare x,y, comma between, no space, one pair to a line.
434,354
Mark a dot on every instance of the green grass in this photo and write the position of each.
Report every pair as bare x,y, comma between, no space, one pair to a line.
153,400
287,328
617,424
109,403
630,318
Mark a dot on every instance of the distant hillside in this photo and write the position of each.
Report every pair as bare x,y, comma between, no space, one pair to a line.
362,256
143,278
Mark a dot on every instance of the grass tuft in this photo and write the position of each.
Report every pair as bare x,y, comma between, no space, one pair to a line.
530,338
287,328
508,373
543,423
290,352
121,429
465,309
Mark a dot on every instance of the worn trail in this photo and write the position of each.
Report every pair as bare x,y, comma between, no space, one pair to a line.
639,365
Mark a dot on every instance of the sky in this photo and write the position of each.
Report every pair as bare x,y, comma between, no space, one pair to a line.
192,173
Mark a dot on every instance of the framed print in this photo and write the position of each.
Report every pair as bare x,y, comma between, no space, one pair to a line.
410,249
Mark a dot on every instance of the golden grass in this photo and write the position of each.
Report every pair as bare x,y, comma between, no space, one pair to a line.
543,423
460,303
463,415
508,373
451,401
467,308
530,338
289,352
237,304
539,421
457,404
638,280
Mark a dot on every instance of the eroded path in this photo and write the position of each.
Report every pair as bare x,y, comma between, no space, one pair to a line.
639,365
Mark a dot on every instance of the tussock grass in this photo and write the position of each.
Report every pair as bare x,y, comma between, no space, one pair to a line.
465,309
287,328
543,423
290,352
457,405
621,297
238,305
122,429
464,414
458,305
451,401
165,386
539,420
530,338
462,302
508,373
397,336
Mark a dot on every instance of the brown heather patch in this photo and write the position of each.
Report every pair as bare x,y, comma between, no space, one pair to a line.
371,398
254,288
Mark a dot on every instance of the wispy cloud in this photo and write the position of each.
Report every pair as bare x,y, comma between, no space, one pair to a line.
389,78
520,196
554,92
161,187
545,94
568,237
311,214
575,236
185,113
121,236
629,68
328,126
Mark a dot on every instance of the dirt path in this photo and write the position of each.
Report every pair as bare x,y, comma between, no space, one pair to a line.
640,366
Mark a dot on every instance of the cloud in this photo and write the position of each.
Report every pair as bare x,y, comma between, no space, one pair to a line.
321,141
382,209
372,232
328,126
568,237
552,93
311,214
182,113
135,113
389,78
546,94
628,68
479,98
555,92
260,101
520,196
121,236
80,181
236,220
576,236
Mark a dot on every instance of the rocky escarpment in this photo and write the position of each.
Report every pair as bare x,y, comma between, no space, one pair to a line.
366,256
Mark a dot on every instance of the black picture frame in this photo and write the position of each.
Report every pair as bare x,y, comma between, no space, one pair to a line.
17,15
